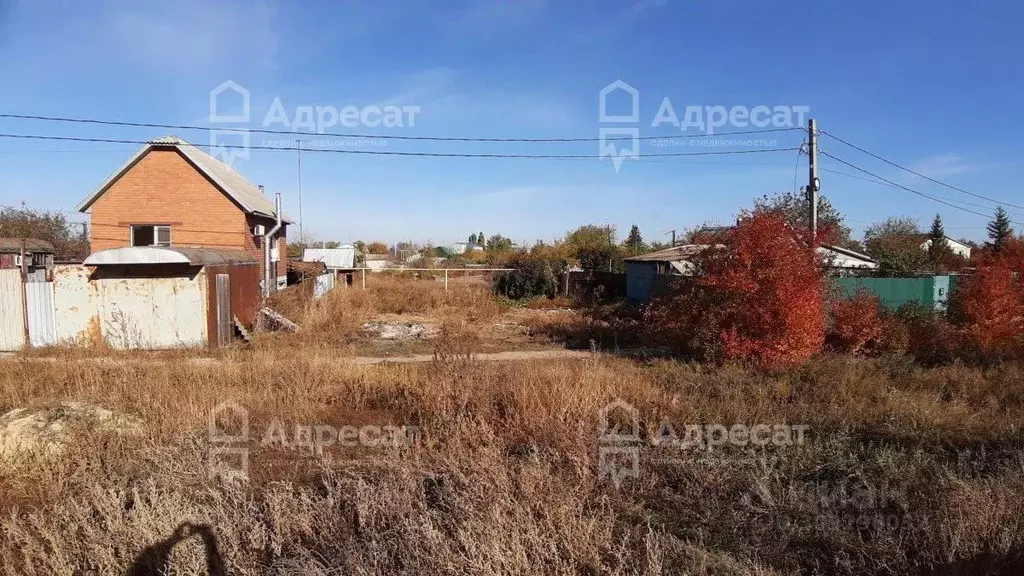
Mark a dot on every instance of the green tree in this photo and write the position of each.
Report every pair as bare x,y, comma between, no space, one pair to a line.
595,248
498,243
895,243
360,246
634,242
999,230
480,239
796,210
472,239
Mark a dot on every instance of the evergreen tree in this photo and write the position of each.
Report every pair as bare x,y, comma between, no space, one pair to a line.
940,254
480,239
472,239
999,230
635,242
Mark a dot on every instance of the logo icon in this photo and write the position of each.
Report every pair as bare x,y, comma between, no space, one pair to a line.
608,136
619,439
229,144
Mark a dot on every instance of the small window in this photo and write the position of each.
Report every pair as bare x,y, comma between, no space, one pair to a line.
147,235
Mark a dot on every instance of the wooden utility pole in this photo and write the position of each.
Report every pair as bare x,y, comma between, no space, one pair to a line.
673,238
813,184
298,150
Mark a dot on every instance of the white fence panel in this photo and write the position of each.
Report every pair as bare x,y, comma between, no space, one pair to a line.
12,311
42,327
323,284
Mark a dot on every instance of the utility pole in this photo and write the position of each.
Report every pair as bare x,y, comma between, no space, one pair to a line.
813,184
298,152
673,238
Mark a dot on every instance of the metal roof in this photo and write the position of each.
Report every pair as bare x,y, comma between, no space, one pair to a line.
13,245
148,255
343,257
673,254
244,193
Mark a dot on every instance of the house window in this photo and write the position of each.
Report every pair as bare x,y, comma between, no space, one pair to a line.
149,235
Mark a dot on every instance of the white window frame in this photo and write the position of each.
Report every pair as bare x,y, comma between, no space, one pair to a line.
17,260
156,234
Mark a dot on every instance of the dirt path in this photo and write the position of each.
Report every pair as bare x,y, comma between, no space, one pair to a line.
509,356
483,356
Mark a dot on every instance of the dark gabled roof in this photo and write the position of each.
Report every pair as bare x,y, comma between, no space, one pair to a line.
13,245
226,178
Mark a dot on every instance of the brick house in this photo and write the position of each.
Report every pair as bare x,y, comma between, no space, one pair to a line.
171,193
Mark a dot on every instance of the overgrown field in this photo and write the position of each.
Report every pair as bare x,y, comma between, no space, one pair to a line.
902,470
498,466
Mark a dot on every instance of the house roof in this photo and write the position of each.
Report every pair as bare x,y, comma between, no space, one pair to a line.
673,254
226,178
343,257
13,245
148,255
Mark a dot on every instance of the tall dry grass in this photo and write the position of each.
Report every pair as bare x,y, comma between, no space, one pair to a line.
906,470
337,318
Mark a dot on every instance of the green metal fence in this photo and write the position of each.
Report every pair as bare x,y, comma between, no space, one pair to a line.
932,292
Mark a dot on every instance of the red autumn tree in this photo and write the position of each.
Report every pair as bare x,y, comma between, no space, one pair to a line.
855,322
989,304
760,299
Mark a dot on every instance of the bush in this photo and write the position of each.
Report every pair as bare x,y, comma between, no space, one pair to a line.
531,277
760,300
989,307
855,323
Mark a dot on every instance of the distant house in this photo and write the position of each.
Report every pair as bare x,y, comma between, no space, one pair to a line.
38,257
463,247
649,274
958,248
340,258
340,261
377,262
172,194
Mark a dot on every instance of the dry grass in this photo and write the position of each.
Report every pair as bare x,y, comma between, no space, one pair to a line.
906,469
504,479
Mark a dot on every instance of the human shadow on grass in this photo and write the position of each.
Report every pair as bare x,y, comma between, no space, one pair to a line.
155,560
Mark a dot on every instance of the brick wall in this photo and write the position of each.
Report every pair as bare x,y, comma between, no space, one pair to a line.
164,188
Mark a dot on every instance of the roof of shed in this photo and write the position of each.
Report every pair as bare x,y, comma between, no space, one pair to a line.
226,178
673,254
13,245
149,255
342,257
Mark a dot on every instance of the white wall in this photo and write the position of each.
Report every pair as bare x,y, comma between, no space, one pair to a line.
12,311
130,312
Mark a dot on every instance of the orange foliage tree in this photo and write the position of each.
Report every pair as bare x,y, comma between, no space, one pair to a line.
989,304
855,322
759,300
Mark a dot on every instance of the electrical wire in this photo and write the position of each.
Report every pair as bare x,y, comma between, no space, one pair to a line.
902,187
378,136
918,174
399,153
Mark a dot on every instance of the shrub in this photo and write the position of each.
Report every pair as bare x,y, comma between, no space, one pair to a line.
989,304
855,323
531,276
760,300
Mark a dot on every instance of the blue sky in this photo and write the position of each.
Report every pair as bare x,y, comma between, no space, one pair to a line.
935,85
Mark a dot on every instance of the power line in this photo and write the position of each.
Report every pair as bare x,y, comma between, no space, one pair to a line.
399,153
918,174
911,190
376,136
880,183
